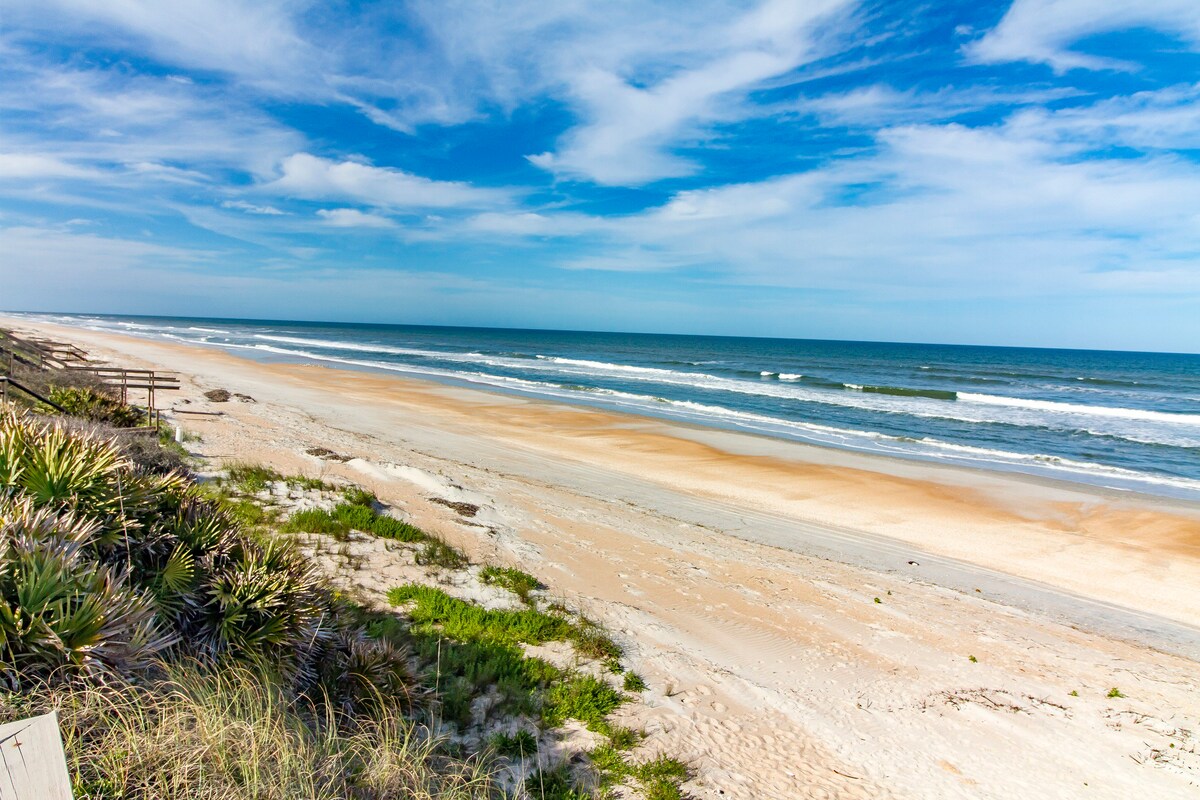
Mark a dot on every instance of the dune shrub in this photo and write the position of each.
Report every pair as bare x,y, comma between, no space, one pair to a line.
107,566
59,609
96,405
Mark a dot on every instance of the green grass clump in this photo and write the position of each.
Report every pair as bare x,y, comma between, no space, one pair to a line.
622,738
358,496
458,672
364,518
659,778
251,478
437,553
480,648
392,528
518,582
350,516
634,682
557,784
306,483
591,641
249,513
464,621
581,697
519,745
360,518
314,520
1115,693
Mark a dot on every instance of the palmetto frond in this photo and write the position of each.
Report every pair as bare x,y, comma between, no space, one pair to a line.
59,608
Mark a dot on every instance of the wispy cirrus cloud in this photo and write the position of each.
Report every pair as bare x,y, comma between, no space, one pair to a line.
630,126
109,120
253,208
37,165
353,218
942,210
315,178
1044,31
256,40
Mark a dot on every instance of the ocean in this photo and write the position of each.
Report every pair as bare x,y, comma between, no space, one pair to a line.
1126,421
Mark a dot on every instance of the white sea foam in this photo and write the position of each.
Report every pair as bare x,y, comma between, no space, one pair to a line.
789,376
383,349
1076,408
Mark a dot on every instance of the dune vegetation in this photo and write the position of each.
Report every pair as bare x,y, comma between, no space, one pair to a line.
191,649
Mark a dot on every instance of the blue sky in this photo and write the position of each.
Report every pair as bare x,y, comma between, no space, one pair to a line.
995,173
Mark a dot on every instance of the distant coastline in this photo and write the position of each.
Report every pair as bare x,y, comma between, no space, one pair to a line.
1116,420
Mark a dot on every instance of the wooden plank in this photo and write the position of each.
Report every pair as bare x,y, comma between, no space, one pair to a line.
33,765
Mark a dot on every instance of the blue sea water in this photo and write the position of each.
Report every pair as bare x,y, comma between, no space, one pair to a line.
1115,419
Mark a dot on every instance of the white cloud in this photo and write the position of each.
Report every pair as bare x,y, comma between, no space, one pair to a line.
644,76
1043,31
251,208
1167,119
36,165
629,129
879,105
256,40
938,210
311,177
109,117
353,218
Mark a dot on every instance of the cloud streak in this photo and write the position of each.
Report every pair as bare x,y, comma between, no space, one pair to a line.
1043,31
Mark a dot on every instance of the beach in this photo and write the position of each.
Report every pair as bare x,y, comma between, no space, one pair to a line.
811,623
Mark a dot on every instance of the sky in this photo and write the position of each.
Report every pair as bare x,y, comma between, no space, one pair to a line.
1023,173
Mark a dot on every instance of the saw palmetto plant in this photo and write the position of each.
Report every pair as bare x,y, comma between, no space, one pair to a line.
103,567
62,611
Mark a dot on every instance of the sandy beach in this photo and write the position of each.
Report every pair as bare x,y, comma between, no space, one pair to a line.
812,623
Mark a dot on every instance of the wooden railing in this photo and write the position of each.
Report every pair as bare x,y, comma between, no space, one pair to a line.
6,382
45,354
39,353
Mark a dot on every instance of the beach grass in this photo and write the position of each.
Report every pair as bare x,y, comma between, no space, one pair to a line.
234,732
348,516
518,582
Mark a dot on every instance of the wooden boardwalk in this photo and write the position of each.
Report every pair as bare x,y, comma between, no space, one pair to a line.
45,354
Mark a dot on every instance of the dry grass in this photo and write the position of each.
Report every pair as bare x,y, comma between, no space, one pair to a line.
231,733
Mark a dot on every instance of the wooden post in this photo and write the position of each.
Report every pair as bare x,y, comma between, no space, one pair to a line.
32,763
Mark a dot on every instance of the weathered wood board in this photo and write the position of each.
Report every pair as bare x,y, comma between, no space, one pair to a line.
32,763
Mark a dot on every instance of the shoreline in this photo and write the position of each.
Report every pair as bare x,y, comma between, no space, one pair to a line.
777,669
1011,531
912,445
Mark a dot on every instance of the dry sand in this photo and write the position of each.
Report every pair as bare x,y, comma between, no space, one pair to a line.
742,573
